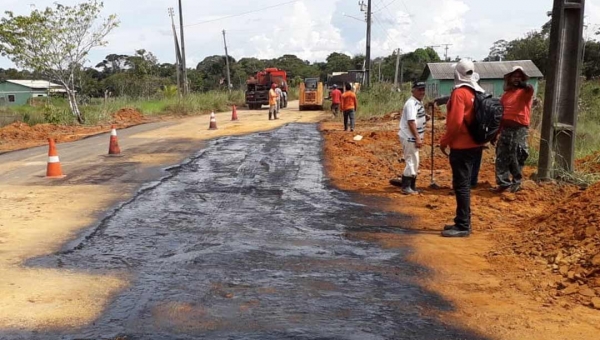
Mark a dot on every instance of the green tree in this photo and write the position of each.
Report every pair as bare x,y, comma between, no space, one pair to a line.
534,46
339,62
55,41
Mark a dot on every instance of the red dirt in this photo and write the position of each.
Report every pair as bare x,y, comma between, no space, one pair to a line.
590,164
19,135
503,271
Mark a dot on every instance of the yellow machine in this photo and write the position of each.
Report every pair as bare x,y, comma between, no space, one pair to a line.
311,94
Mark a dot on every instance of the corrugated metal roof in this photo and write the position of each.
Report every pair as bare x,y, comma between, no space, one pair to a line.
486,69
35,84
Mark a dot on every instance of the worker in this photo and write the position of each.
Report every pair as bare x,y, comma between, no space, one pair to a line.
279,98
464,151
273,102
511,147
349,106
412,133
336,98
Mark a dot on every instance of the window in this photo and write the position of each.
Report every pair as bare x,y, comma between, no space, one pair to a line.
11,98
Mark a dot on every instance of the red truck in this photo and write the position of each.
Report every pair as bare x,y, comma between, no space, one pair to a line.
257,88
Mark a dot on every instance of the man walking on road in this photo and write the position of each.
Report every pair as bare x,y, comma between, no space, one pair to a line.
349,106
273,102
336,99
512,148
412,133
464,151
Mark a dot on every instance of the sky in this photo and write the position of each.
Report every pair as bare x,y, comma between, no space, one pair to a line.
312,29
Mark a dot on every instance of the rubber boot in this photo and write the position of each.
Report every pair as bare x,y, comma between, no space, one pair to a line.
406,186
413,184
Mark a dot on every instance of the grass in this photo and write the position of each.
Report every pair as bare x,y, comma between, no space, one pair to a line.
380,100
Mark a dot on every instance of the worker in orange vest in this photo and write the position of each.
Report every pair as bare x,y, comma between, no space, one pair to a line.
273,102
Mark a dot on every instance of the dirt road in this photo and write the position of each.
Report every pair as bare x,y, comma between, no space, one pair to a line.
39,216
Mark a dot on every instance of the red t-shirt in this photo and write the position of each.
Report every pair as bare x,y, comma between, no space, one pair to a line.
460,113
336,96
517,106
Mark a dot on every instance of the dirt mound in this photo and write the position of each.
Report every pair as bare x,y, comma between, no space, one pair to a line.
589,164
128,116
567,237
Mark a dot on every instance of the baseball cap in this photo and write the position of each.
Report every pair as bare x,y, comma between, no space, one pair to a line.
418,85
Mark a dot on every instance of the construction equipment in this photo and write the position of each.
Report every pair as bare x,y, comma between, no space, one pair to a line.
311,94
257,88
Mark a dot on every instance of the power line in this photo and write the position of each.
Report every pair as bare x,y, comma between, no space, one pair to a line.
384,6
244,13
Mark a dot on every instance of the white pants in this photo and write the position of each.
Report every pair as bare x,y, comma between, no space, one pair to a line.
411,158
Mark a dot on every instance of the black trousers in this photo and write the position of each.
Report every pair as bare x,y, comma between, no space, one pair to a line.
462,162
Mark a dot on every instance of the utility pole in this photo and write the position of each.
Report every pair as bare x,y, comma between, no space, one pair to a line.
557,143
446,54
177,51
183,65
368,41
401,73
397,65
227,62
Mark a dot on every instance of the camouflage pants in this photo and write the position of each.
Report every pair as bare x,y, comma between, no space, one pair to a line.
511,153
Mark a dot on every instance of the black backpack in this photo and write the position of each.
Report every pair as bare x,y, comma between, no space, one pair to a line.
488,114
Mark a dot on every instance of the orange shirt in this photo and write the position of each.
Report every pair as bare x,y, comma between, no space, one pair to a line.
272,97
348,101
517,106
336,96
460,112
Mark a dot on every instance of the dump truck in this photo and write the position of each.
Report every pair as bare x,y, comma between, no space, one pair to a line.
311,94
257,87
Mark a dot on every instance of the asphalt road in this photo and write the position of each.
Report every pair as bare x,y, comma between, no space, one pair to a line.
248,241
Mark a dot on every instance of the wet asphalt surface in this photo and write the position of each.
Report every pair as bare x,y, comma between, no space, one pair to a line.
247,241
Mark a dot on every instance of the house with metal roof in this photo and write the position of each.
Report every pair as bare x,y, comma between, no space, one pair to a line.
439,77
18,92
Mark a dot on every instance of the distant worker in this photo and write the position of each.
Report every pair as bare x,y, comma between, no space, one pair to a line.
349,106
511,148
412,133
464,151
284,98
273,102
279,98
336,99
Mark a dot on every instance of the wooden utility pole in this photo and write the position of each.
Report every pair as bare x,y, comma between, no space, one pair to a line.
446,54
183,65
397,66
177,52
368,41
227,62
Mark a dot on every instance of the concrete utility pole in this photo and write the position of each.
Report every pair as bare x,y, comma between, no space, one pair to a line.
368,40
227,62
177,51
397,65
557,145
446,54
183,65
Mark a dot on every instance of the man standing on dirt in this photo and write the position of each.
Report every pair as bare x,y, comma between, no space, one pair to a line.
349,106
464,151
273,102
279,98
412,132
336,99
512,149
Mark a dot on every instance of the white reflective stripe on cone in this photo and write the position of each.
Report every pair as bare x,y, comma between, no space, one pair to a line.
53,159
113,132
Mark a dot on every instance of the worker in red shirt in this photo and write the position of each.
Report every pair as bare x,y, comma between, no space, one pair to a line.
336,99
349,106
511,147
464,151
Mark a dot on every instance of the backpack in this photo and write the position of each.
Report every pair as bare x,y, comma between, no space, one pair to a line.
488,114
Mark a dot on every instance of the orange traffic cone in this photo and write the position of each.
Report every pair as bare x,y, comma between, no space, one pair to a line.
213,122
113,148
53,170
234,114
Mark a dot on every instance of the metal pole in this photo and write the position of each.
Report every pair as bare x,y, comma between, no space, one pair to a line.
227,62
557,144
177,52
368,52
183,65
397,65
